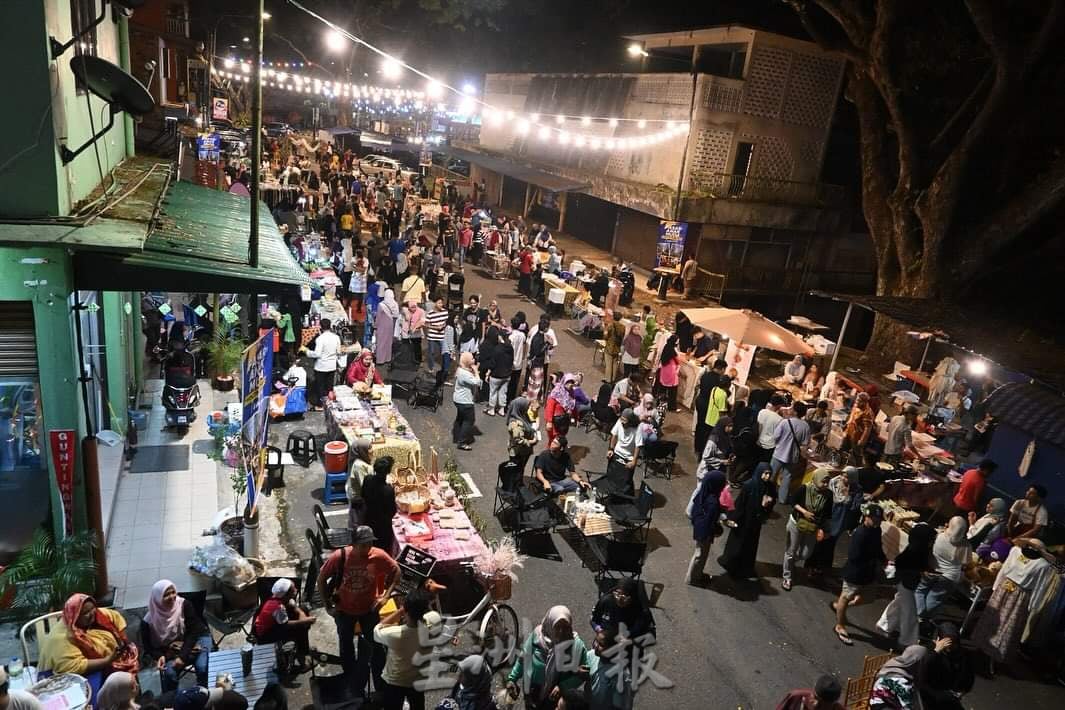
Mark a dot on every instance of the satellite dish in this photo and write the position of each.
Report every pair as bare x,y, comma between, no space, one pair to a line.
120,90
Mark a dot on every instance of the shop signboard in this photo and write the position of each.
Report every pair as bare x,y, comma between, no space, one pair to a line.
64,447
208,146
220,108
670,248
256,365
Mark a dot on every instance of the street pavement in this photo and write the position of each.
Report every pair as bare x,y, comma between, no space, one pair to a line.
724,645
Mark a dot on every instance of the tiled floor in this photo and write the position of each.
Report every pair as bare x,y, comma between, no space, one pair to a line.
158,517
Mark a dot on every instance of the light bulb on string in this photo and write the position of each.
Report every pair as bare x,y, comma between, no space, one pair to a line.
586,120
228,62
641,123
579,141
544,133
563,137
560,119
523,126
534,118
613,123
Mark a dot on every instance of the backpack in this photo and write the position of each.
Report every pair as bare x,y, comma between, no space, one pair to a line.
538,349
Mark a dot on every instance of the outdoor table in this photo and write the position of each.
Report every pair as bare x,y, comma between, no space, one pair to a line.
68,691
921,379
404,448
251,686
557,282
458,542
666,277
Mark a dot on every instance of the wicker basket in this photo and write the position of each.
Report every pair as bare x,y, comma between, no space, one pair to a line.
500,586
409,504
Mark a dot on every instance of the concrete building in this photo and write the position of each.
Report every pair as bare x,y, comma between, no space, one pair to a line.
745,177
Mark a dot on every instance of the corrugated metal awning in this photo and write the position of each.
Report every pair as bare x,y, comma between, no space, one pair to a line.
199,244
1031,408
519,171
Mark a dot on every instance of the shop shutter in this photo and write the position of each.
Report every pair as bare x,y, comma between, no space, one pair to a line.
18,342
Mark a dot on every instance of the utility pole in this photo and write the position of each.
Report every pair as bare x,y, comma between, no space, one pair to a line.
256,135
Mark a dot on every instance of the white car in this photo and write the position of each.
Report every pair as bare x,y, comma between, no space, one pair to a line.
380,166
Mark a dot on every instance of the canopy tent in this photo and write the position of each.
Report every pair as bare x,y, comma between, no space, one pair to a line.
750,328
1006,342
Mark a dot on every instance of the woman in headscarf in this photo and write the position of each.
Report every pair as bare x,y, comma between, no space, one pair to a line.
951,552
381,507
898,683
624,604
811,508
412,325
1019,593
280,619
473,690
521,430
631,349
174,635
911,564
847,499
752,509
989,527
647,412
385,326
363,370
560,407
89,641
669,372
119,692
549,660
360,469
704,510
744,437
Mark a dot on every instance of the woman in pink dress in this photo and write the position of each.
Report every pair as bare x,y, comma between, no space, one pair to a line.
669,372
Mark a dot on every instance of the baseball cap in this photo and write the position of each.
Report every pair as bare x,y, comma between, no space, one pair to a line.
363,535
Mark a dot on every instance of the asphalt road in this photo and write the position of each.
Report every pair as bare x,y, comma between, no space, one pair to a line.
727,645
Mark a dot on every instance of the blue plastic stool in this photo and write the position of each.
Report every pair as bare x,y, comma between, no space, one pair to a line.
334,488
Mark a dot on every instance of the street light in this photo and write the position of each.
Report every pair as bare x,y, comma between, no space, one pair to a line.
636,50
434,89
335,41
469,89
391,68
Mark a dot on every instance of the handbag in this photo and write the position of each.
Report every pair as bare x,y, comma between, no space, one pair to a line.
798,463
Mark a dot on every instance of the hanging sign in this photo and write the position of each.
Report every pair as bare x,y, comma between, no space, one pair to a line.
200,311
64,443
220,108
256,366
670,248
739,357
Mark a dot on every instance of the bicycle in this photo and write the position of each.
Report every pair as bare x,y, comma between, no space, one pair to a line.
496,636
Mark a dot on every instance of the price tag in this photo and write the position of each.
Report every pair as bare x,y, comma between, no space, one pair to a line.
165,309
200,311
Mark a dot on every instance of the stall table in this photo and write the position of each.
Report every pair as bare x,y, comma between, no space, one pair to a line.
251,686
924,492
454,538
553,281
363,419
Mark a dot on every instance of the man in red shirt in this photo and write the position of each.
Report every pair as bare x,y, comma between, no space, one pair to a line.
355,582
280,619
525,267
967,499
824,696
465,242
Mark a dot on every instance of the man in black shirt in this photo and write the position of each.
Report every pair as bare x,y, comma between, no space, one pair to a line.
870,478
476,316
554,468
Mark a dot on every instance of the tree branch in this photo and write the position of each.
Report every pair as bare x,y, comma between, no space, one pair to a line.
842,45
1045,192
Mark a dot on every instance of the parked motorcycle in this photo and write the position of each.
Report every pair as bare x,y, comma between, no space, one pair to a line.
181,393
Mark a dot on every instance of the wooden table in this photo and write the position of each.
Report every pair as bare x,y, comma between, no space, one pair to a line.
405,449
920,378
251,686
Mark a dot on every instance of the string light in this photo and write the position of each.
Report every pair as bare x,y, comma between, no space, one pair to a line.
613,123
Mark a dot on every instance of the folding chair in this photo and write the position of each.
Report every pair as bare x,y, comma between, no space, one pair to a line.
617,559
403,371
518,508
428,393
602,416
332,538
658,458
617,481
198,600
633,512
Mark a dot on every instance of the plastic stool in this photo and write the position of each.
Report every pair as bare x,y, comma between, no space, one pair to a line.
334,491
302,447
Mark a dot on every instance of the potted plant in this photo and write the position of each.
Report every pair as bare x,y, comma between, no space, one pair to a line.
47,572
232,528
223,358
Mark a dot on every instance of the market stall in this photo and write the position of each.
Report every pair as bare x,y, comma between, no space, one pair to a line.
350,417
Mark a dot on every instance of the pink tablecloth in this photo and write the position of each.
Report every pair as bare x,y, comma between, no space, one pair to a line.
445,547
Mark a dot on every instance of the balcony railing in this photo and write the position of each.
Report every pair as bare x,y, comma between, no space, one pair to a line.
724,186
177,25
722,94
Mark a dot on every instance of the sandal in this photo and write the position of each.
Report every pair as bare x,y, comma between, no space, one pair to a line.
786,585
843,637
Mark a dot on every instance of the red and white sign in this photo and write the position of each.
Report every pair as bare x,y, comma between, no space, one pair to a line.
220,108
64,445
739,357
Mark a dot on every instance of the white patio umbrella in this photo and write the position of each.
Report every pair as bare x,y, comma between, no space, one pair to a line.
749,328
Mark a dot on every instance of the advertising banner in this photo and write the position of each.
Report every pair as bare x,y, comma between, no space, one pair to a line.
255,368
740,357
670,248
220,108
64,446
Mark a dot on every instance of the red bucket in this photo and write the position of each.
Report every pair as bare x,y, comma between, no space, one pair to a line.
336,457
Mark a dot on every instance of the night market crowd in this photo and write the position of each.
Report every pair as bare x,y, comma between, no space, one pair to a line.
399,247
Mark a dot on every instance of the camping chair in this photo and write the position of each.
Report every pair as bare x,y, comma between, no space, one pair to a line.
428,393
33,631
518,508
618,480
198,600
403,370
602,416
633,512
658,458
228,624
332,538
617,559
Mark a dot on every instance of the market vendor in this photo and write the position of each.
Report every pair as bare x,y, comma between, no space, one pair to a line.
900,435
1028,516
794,371
363,369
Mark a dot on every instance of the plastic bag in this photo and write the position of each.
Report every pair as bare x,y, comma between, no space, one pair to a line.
222,562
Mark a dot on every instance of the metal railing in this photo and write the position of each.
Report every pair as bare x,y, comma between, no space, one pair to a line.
724,186
722,94
177,25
